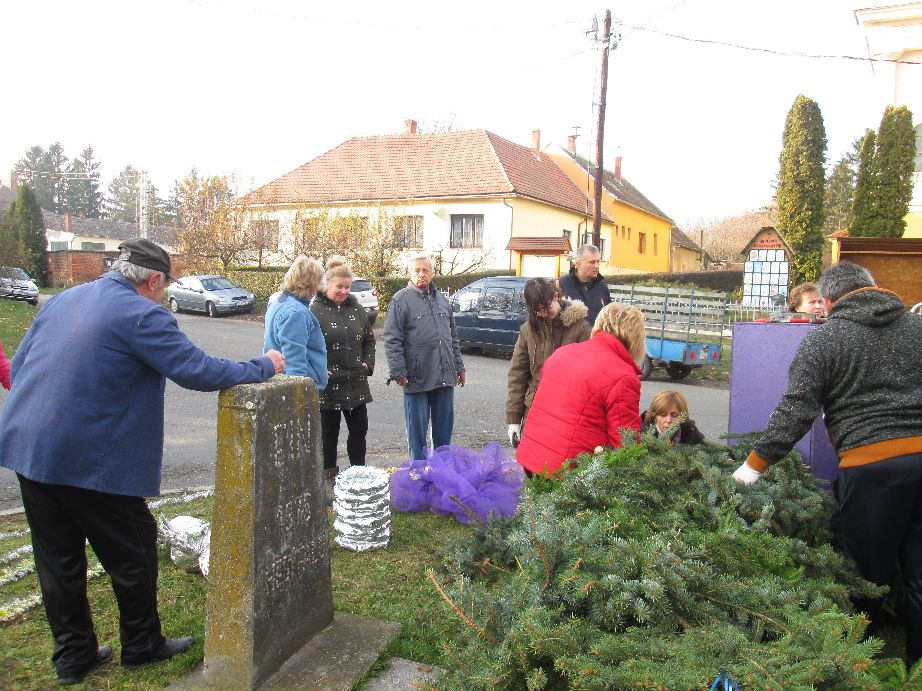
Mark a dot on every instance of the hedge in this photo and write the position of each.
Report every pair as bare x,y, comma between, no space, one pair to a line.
263,282
724,281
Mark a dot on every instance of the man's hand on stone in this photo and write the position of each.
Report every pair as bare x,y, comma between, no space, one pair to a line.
462,377
278,360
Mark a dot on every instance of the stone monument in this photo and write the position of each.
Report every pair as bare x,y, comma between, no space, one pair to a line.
269,589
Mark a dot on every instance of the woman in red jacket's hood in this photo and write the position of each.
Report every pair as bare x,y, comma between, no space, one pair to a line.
588,392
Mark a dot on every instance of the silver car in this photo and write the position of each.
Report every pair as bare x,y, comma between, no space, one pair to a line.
16,284
367,296
213,295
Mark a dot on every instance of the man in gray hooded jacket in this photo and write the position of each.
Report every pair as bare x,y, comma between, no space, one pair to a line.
863,369
424,357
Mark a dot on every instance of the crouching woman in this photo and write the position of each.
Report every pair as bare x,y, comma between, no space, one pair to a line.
588,392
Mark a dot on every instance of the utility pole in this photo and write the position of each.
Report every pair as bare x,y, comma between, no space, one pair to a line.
143,205
607,43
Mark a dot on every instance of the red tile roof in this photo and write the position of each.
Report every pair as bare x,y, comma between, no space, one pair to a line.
397,167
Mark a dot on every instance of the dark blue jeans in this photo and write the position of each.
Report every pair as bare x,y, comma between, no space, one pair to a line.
881,521
418,408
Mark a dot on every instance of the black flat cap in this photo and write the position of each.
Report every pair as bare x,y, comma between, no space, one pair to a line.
143,252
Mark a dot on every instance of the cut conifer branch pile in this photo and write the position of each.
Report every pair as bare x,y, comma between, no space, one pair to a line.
650,567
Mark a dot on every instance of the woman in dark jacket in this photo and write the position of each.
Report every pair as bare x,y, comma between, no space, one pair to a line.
549,324
667,416
588,393
350,345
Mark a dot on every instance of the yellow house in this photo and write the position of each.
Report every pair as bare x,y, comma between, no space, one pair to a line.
639,237
472,199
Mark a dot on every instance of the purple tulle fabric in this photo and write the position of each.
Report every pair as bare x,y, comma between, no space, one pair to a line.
458,482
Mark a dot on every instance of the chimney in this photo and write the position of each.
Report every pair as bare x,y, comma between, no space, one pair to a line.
409,126
617,169
536,140
67,223
571,143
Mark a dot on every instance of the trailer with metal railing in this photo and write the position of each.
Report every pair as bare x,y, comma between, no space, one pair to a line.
684,327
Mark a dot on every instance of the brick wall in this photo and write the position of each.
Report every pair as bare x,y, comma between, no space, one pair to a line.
69,267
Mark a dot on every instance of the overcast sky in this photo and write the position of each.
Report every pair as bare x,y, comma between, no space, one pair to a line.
255,88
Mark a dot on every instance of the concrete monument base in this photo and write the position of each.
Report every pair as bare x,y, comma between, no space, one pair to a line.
333,660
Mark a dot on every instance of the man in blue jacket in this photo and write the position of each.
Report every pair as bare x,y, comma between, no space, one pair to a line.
424,357
83,429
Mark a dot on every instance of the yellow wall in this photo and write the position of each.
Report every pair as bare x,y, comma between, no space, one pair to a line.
913,225
629,222
685,259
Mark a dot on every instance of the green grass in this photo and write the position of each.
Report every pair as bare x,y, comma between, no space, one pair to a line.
388,584
15,319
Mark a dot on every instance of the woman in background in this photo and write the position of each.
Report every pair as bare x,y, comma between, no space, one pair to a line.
588,392
667,418
549,324
292,328
806,299
350,344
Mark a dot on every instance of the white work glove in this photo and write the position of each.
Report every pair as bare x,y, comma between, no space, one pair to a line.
515,433
746,474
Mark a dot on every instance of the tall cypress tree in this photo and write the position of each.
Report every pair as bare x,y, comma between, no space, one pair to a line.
893,165
863,206
801,187
26,215
840,189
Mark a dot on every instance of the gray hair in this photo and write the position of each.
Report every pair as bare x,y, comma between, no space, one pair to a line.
843,278
583,250
134,273
422,258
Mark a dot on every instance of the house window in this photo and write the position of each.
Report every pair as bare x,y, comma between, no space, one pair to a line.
466,230
409,231
93,246
641,243
628,233
58,246
265,234
603,255
655,243
568,234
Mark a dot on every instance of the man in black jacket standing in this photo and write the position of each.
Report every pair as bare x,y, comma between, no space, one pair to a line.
584,283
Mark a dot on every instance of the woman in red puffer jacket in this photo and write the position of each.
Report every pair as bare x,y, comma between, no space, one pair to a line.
588,392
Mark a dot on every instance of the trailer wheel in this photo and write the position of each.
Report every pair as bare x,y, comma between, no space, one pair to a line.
676,370
645,368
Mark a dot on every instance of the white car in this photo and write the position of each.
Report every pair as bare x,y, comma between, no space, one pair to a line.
367,296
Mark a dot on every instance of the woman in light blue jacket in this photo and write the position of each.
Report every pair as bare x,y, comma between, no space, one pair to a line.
292,328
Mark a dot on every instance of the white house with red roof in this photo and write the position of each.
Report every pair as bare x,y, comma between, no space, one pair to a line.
472,198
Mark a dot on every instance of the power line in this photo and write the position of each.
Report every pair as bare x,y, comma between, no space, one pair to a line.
772,51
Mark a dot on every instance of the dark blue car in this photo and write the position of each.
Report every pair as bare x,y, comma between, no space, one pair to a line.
489,312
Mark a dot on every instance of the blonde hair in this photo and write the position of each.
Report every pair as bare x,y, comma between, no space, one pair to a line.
625,324
663,401
303,277
337,267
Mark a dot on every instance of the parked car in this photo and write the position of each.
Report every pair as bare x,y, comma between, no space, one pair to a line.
213,295
489,312
16,284
367,296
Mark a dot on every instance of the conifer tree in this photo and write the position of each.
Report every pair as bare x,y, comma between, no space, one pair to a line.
893,166
33,168
840,191
801,187
26,217
82,195
122,202
863,208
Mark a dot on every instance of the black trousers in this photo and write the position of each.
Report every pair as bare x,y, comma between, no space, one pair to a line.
123,534
880,514
356,423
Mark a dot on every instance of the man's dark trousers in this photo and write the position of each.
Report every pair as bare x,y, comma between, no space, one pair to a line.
881,512
123,534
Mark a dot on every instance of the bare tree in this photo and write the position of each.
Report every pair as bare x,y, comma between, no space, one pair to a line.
213,227
451,260
724,238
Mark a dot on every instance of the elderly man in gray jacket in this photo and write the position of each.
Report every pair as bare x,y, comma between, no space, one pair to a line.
424,357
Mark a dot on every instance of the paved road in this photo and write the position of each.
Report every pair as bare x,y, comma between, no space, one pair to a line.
189,447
